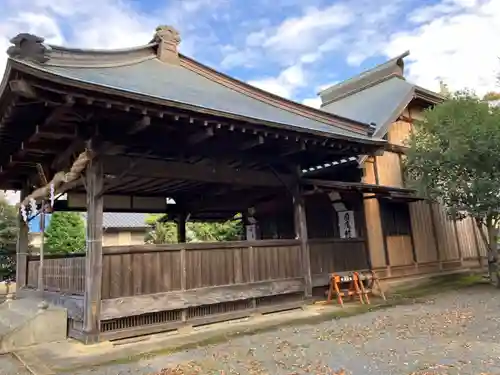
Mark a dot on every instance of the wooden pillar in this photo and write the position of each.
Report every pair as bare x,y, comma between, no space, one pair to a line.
22,246
93,259
181,228
365,232
382,221
41,271
301,234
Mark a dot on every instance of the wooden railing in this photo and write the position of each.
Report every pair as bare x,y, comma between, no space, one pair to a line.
149,269
148,287
62,273
336,255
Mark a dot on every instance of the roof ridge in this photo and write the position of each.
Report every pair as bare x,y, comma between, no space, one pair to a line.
28,47
270,98
365,87
366,75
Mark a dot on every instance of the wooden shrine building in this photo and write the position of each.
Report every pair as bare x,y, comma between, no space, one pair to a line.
122,131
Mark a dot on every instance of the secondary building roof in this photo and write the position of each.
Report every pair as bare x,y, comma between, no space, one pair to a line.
382,103
110,220
124,220
377,96
382,92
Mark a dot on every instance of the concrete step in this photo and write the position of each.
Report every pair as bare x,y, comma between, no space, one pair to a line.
23,323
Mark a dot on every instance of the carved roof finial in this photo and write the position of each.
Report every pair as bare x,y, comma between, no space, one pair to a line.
168,40
28,47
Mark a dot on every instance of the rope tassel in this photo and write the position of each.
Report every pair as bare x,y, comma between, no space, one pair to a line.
59,179
23,213
33,207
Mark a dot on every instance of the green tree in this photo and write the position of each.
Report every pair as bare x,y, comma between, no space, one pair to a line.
8,237
454,158
65,233
166,232
160,232
8,224
230,230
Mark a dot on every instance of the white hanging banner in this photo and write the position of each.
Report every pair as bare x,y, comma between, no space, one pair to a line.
251,232
347,225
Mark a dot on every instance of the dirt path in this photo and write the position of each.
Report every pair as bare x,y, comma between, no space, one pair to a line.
455,333
11,366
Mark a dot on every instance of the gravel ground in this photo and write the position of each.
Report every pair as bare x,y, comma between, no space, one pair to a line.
11,366
454,333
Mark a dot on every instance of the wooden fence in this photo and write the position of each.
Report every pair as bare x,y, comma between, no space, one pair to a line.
151,288
63,273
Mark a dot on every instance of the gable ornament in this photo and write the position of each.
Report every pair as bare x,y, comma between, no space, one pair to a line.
29,47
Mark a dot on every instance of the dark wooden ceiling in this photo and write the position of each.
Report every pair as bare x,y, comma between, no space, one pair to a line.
154,150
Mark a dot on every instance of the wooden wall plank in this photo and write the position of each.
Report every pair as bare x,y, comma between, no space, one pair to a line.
129,272
389,169
445,231
423,234
175,300
466,238
398,132
400,250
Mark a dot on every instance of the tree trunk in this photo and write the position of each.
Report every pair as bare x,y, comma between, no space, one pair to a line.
492,252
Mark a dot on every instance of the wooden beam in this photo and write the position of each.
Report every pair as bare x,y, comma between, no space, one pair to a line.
201,136
221,173
140,125
22,88
360,186
397,149
253,143
27,148
42,175
63,159
143,304
22,244
93,259
295,149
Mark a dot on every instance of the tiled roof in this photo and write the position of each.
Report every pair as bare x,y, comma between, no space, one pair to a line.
114,220
153,78
377,96
380,103
124,220
392,67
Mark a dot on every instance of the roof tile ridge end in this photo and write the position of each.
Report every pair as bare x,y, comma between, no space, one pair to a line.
268,97
32,50
367,72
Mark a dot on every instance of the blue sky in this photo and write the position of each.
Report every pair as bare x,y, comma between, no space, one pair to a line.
290,47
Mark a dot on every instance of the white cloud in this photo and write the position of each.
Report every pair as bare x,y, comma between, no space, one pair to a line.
285,83
299,33
102,24
312,102
13,197
459,47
